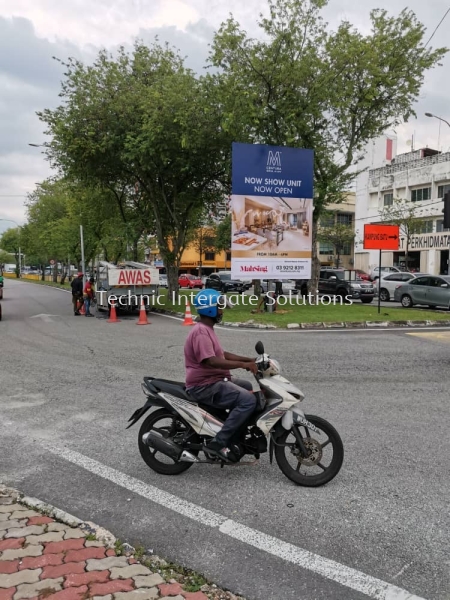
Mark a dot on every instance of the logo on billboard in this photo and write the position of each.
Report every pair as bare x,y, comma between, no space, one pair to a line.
254,269
273,162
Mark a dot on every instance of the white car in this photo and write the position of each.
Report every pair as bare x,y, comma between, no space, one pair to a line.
375,273
163,281
387,283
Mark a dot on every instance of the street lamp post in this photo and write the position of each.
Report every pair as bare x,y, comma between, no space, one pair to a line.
427,114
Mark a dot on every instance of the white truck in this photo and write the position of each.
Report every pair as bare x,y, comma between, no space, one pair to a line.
125,284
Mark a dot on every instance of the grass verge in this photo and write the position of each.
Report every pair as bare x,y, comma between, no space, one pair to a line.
295,313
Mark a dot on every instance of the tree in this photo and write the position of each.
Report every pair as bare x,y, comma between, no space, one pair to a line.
10,241
407,216
5,257
144,121
338,235
303,85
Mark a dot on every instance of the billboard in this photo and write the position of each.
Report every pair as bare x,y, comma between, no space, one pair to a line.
271,212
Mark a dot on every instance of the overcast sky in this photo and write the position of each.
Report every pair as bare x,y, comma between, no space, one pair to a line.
31,33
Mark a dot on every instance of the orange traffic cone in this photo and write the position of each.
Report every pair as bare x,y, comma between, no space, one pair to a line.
187,316
142,314
113,316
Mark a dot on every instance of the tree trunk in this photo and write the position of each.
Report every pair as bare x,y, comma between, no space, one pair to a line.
172,281
63,274
42,267
55,273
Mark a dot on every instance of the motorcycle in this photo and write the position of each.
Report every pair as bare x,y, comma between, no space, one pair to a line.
307,449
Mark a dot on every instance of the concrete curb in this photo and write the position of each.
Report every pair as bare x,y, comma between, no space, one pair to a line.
250,324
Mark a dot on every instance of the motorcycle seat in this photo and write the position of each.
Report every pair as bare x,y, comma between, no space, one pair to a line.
176,388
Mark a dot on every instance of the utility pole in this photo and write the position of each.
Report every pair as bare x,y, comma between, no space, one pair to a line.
82,254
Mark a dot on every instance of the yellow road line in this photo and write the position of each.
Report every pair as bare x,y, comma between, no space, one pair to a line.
433,335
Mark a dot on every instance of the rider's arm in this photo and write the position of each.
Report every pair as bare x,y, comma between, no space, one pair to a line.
230,356
223,363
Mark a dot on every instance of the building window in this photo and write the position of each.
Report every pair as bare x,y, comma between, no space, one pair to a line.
326,248
421,194
210,256
346,249
343,219
427,227
440,225
228,255
443,189
327,220
388,199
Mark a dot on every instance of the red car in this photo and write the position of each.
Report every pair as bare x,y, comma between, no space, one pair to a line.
190,281
362,275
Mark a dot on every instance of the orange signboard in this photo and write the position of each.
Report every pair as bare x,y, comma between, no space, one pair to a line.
381,237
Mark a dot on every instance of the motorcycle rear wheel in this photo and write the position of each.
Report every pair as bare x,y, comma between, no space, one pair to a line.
313,441
166,466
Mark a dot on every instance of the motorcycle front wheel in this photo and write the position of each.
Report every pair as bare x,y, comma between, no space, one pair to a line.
172,427
325,459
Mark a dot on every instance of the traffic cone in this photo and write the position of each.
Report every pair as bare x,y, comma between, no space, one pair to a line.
143,314
187,315
113,316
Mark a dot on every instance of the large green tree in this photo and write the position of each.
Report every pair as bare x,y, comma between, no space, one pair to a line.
300,84
145,121
11,242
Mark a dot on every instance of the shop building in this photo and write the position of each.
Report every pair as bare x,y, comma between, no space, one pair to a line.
421,177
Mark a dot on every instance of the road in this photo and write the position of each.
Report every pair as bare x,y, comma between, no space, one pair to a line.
69,384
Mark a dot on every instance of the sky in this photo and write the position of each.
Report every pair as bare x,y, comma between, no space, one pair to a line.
32,33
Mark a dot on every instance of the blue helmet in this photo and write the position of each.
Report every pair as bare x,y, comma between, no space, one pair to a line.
207,301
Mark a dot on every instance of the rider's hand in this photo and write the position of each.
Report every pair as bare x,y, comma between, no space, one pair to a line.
251,366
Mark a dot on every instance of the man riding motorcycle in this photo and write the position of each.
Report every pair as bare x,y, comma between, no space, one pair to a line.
208,377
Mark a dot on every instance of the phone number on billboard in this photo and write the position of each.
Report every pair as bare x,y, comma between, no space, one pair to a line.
290,268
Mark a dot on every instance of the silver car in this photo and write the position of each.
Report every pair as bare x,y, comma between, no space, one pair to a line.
387,283
430,290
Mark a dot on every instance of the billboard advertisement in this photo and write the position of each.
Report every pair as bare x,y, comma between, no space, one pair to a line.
271,212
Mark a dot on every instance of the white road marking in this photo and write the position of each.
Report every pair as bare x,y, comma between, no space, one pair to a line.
346,576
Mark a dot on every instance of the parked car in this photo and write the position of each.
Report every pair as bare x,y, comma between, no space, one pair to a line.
362,275
222,281
190,281
430,290
163,281
338,282
287,285
375,273
387,283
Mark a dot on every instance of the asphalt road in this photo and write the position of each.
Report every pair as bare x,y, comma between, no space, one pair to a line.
69,384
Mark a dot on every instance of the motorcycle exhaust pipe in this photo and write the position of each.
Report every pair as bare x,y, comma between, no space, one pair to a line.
156,441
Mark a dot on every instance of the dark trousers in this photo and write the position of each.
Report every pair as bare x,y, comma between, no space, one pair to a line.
235,395
76,301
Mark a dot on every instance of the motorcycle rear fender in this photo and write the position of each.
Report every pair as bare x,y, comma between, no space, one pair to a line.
151,401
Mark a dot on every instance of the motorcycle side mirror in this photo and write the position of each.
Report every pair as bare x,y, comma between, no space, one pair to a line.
259,347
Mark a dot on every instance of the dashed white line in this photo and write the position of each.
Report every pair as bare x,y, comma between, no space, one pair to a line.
334,571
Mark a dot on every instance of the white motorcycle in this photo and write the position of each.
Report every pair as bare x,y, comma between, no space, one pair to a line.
308,449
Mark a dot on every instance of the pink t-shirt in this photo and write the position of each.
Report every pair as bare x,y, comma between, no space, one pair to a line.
202,342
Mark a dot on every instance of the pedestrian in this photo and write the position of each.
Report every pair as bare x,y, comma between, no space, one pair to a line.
77,293
88,296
